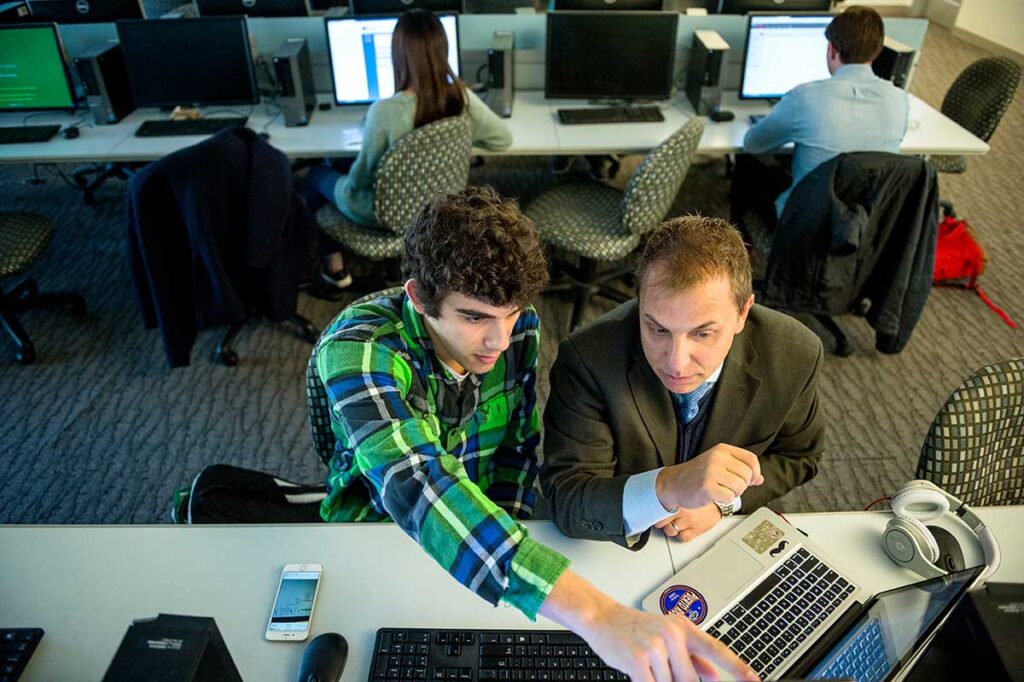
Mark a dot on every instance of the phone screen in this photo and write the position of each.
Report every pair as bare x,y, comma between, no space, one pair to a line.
294,605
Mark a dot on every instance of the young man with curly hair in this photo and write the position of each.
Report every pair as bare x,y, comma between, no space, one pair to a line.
433,407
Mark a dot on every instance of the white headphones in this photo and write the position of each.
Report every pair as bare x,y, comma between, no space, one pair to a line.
911,544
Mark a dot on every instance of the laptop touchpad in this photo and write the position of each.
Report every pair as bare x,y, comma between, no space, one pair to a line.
726,567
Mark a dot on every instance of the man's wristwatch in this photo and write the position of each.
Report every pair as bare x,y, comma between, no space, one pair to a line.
725,509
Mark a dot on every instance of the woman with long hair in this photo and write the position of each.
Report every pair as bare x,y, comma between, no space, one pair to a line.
426,90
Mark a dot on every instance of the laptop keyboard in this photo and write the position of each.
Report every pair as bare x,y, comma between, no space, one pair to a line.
782,611
16,647
471,655
864,660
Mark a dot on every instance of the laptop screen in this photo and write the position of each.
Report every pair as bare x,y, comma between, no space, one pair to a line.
890,632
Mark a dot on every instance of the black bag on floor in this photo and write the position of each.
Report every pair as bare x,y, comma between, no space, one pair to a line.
222,493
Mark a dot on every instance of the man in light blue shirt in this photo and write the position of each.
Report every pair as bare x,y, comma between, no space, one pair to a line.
853,111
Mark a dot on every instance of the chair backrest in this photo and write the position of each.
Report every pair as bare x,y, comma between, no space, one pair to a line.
428,161
975,447
981,94
656,181
317,405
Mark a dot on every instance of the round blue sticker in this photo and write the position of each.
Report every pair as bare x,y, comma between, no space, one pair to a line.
683,600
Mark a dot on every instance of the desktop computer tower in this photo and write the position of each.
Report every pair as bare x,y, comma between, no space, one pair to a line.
294,74
499,73
704,73
103,73
894,62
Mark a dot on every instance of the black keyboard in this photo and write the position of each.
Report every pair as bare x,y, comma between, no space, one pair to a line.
782,611
472,655
645,114
199,126
20,134
16,647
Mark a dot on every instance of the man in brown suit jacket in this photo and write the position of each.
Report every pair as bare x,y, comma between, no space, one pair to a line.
684,405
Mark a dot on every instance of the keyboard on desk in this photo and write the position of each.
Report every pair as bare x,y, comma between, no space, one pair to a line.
198,126
16,647
472,655
645,114
22,134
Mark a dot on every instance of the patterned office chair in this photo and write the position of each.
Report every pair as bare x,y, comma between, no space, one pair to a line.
600,224
23,238
428,161
977,100
975,447
317,404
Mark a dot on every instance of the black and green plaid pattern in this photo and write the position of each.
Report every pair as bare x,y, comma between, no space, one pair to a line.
975,447
453,465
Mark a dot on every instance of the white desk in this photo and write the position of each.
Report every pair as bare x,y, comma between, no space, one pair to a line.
534,125
84,585
854,539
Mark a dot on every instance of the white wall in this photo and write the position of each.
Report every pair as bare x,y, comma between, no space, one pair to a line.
999,21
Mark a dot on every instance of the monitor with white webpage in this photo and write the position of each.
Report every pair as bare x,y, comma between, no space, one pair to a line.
783,51
360,52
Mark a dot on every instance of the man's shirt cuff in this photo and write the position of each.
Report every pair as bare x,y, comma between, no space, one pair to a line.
533,572
641,507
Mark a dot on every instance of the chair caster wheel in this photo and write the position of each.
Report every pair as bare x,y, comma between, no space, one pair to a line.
228,357
25,355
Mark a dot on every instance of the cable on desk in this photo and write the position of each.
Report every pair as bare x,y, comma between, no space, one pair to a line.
873,503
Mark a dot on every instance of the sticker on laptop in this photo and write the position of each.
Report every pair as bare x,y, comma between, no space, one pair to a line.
763,537
683,600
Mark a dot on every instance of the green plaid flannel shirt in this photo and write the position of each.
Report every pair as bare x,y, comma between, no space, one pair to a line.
453,465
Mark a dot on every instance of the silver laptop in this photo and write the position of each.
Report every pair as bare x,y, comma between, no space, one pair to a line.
777,600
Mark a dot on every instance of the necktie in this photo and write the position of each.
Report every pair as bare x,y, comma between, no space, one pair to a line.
689,403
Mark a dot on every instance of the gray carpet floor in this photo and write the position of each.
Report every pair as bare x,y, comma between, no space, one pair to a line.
100,431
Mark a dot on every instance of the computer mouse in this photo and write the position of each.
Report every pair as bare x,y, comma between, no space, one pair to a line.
264,135
70,133
324,659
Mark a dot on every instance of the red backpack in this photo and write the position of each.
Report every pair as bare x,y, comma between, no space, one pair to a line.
958,256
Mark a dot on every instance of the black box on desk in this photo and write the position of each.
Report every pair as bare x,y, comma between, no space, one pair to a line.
173,649
103,73
704,73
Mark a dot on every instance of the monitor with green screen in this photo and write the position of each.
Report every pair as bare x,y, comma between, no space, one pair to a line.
32,73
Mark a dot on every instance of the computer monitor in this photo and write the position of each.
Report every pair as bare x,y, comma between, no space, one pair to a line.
253,8
783,51
379,7
33,74
610,54
597,5
496,6
360,50
85,11
175,62
747,6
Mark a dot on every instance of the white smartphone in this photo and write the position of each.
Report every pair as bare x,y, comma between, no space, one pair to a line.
293,606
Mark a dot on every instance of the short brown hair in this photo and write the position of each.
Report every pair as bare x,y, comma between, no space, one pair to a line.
687,251
857,34
476,243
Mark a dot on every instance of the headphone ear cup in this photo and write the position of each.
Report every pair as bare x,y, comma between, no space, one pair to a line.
906,539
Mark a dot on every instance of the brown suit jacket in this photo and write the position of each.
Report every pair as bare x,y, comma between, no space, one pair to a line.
608,416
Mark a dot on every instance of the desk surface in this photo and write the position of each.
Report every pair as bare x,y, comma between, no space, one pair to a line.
534,124
85,584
